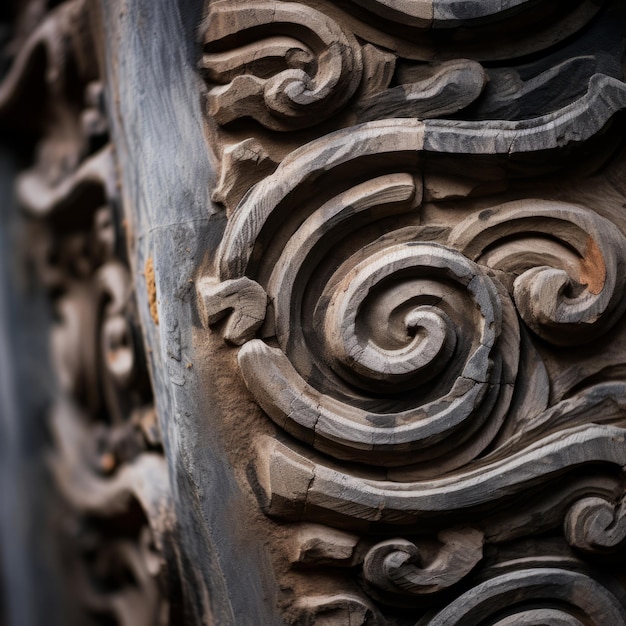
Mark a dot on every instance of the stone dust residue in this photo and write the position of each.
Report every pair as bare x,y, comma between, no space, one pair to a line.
151,286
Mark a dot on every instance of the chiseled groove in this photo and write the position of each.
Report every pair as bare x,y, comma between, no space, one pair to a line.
226,66
394,191
574,123
339,428
373,139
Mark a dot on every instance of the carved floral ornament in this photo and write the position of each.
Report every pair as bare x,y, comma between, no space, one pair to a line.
400,357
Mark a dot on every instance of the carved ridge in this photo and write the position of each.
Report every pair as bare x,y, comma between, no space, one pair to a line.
315,490
296,95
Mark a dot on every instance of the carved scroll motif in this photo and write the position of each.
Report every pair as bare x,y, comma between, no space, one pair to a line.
405,356
296,67
566,299
396,567
403,352
596,525
535,595
106,456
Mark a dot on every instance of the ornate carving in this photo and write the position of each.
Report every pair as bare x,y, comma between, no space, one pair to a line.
560,307
419,279
426,333
411,352
548,595
395,566
596,525
107,461
281,80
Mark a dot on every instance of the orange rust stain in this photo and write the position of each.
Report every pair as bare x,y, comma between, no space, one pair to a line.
151,286
592,268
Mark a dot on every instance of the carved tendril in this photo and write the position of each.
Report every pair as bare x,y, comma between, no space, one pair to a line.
282,80
569,264
596,525
395,567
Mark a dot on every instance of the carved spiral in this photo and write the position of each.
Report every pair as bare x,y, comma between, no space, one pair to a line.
283,81
396,572
417,322
541,595
396,321
569,264
398,351
596,525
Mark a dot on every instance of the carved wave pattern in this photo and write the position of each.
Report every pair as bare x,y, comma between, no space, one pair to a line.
406,351
402,350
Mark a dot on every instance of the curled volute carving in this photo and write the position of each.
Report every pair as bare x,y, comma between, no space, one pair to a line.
403,350
397,571
417,321
416,318
291,66
596,525
554,596
569,264
417,414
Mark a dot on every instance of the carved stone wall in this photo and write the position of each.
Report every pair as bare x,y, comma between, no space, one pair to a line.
338,295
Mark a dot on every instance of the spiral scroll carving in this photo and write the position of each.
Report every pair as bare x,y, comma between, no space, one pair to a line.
396,568
596,525
289,82
569,287
404,316
398,344
537,595
404,352
417,320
